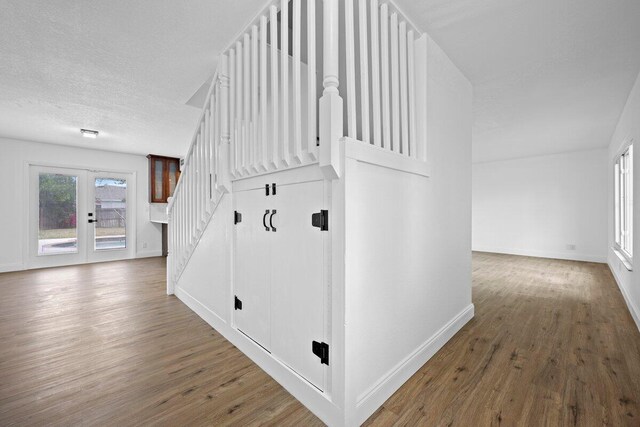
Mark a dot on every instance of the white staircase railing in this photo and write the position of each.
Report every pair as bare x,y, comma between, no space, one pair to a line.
385,60
273,103
263,112
203,179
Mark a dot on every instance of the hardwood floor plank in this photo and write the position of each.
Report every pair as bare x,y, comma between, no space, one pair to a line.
552,343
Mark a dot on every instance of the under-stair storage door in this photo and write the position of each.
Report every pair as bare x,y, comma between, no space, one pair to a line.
252,266
298,294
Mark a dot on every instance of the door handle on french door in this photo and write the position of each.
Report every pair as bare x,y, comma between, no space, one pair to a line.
273,212
264,220
92,220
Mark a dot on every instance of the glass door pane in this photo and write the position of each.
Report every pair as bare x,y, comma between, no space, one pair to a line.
58,214
173,176
158,181
110,212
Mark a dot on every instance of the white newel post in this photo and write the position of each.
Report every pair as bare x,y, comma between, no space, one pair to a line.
225,132
170,249
331,102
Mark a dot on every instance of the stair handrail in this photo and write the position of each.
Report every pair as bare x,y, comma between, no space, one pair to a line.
214,81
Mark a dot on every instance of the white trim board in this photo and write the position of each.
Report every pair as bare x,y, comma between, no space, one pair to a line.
148,254
633,310
6,268
372,399
570,256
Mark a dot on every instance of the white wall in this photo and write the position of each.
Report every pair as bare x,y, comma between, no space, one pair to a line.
408,249
537,206
628,130
14,157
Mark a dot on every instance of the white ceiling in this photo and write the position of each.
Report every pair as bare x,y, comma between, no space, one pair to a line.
123,67
549,75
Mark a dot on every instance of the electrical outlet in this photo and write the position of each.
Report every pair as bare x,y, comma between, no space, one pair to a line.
571,247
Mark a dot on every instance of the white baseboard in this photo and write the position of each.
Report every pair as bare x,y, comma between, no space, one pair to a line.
635,312
307,394
149,254
571,256
5,268
372,399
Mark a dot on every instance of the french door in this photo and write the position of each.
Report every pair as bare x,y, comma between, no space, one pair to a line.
79,216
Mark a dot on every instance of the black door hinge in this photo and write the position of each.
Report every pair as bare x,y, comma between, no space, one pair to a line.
321,220
237,217
321,350
237,303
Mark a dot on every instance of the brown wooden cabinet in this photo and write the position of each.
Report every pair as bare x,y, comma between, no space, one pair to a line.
163,177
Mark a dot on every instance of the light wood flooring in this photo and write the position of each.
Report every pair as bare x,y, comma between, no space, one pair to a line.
552,343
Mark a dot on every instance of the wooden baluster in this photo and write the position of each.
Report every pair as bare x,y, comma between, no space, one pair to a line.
256,152
275,91
208,127
248,144
349,28
404,96
284,65
412,96
395,85
204,191
264,137
233,149
364,72
375,73
197,175
223,124
312,126
188,204
297,83
216,144
384,66
239,110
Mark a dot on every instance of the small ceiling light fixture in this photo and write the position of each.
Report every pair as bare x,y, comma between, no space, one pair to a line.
88,133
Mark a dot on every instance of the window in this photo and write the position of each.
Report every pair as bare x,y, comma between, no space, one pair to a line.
623,198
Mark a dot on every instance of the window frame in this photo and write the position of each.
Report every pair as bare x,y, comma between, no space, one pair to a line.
623,202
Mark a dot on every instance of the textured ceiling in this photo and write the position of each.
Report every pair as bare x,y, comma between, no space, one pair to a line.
123,67
549,76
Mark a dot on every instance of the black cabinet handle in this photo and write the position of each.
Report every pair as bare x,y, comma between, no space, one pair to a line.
264,220
273,212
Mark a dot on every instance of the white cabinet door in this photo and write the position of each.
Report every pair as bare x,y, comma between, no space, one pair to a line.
253,266
297,291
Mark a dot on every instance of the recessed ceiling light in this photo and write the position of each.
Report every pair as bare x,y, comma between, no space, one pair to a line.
88,133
